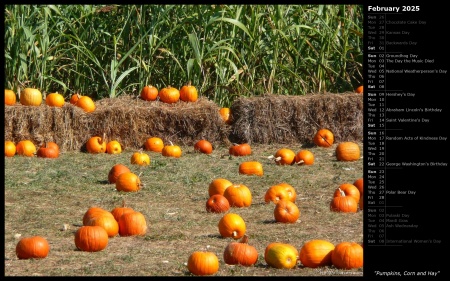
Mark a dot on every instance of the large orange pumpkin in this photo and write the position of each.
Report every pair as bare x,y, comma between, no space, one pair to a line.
91,238
286,211
217,203
107,221
324,138
154,144
304,157
349,190
86,103
188,93
203,146
34,247
113,147
347,255
315,253
31,96
132,224
348,151
343,203
48,150
54,99
26,148
116,171
10,149
240,253
283,156
242,149
275,193
140,158
149,93
359,183
96,144
128,182
203,263
238,195
251,168
232,225
218,186
117,212
171,150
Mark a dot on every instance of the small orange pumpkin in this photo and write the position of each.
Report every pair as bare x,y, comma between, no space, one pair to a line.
359,89
54,99
10,149
113,147
107,221
343,203
188,93
203,146
242,149
347,255
149,93
96,144
324,138
140,158
359,183
116,171
128,182
286,211
171,150
74,98
251,168
225,114
232,225
48,150
304,157
217,203
154,144
169,94
86,103
283,156
275,193
10,97
34,247
349,190
348,151
203,263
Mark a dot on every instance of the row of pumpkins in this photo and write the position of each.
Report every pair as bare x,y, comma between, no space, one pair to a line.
169,94
99,224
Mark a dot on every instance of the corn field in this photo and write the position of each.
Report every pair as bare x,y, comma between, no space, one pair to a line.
226,51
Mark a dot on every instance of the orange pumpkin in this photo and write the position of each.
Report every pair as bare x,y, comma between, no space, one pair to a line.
188,93
348,151
91,238
232,225
55,99
203,263
169,94
93,212
86,103
347,255
10,149
283,156
304,157
117,212
116,171
286,211
218,186
132,224
96,144
140,158
240,253
315,253
171,150
113,147
251,168
292,194
149,93
238,195
343,203
128,182
10,97
154,144
217,203
48,150
74,98
349,190
275,193
26,148
225,114
107,221
34,247
203,146
31,96
242,149
324,138
359,183
359,89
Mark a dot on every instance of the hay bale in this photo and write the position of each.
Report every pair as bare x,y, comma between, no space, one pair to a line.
67,126
131,121
295,119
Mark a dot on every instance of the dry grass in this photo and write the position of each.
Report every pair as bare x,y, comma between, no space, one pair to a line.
43,194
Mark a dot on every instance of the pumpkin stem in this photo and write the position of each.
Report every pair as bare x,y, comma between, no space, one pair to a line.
103,138
123,203
341,192
271,157
244,239
299,162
